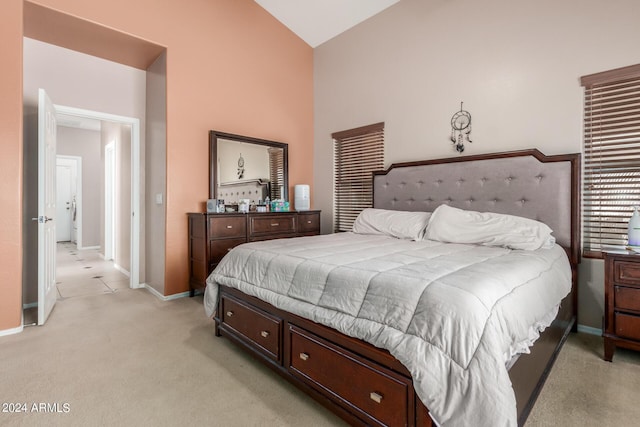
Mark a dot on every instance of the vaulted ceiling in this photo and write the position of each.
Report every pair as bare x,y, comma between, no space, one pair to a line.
316,21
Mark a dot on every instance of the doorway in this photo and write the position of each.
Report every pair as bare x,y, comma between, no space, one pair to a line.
128,140
115,217
68,198
97,87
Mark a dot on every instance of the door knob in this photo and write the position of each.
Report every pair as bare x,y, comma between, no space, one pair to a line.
42,219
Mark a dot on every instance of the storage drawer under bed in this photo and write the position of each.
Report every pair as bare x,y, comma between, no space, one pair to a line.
257,329
376,393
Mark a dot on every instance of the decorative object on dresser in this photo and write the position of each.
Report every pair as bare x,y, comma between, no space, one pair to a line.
302,197
633,228
621,302
212,206
211,236
365,384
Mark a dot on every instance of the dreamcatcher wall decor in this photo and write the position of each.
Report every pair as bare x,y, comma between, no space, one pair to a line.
461,128
240,167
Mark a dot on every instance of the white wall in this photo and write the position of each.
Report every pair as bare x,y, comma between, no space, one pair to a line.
82,81
515,64
120,135
256,161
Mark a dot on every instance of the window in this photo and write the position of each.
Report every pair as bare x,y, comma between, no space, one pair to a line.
276,172
611,180
357,153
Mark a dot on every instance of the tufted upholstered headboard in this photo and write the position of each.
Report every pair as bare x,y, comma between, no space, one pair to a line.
525,183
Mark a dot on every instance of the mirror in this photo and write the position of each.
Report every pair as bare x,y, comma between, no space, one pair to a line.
242,167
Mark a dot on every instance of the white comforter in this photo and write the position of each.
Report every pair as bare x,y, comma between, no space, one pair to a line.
451,313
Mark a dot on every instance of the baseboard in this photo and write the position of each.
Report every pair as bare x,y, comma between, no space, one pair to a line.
589,330
85,248
121,270
11,331
177,296
155,292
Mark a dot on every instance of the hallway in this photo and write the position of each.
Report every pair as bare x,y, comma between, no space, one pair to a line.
81,273
84,272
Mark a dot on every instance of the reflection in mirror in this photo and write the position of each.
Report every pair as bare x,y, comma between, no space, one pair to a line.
246,168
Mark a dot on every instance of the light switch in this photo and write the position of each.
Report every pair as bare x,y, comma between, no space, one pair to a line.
158,198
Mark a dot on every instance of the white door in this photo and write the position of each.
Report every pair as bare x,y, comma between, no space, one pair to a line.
64,198
47,292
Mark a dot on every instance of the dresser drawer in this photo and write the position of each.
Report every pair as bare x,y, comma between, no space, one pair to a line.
628,326
627,298
627,273
378,395
227,226
309,223
272,224
256,328
219,248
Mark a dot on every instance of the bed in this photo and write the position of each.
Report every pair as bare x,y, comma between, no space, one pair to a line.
374,326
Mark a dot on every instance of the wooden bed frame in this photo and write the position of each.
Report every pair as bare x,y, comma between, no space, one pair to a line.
365,385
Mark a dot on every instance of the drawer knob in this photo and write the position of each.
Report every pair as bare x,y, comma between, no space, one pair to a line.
229,313
264,334
275,224
304,356
229,226
376,397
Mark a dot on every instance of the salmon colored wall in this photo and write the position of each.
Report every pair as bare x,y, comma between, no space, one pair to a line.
11,164
230,66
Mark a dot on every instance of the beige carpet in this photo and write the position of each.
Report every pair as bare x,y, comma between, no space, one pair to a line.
583,390
125,358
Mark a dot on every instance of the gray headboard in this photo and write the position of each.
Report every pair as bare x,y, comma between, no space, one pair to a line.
525,183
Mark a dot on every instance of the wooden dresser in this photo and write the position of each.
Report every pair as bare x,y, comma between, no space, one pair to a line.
621,302
211,236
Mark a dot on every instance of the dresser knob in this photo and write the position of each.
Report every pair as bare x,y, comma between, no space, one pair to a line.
376,397
275,224
304,356
308,222
229,313
264,334
229,226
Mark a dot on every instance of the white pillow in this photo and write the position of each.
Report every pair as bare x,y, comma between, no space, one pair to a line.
452,225
399,224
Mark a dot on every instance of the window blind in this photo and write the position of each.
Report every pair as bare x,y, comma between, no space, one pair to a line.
611,180
357,153
276,168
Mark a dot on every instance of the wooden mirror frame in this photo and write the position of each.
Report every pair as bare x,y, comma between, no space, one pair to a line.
214,135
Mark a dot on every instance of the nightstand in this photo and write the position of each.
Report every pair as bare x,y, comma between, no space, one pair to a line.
621,302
